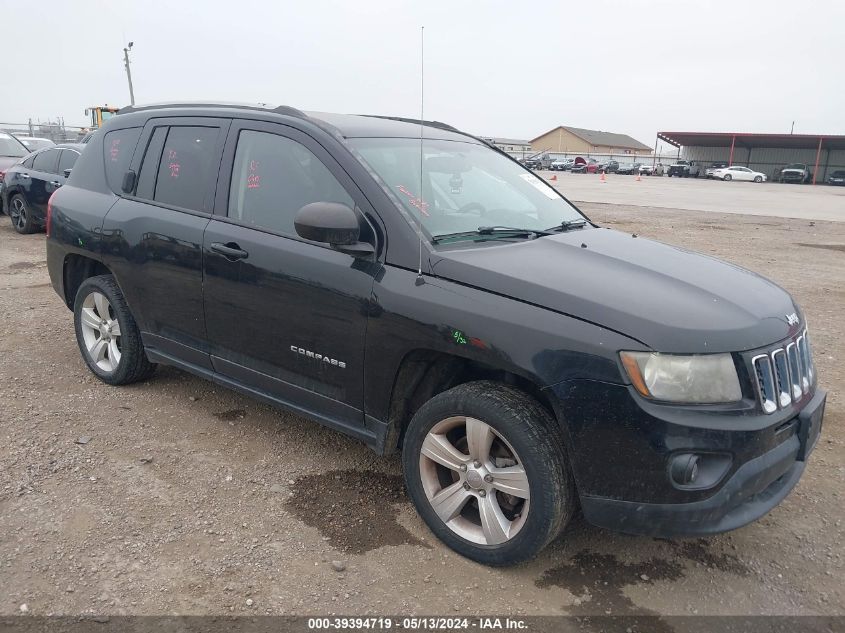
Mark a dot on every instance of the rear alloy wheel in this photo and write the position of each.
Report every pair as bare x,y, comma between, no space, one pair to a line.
727,177
485,467
107,334
21,215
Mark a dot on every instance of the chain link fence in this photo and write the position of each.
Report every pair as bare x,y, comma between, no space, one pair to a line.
56,131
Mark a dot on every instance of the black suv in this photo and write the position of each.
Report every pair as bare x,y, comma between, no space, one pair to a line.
433,296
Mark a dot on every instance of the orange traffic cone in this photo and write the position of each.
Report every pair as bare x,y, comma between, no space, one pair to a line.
603,178
554,177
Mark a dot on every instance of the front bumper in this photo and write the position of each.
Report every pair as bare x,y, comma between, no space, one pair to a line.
620,452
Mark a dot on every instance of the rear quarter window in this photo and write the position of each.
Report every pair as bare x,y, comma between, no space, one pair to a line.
118,147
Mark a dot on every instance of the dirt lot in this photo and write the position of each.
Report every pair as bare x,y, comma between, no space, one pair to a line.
176,496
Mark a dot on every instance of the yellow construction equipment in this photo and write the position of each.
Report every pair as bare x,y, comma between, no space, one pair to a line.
99,115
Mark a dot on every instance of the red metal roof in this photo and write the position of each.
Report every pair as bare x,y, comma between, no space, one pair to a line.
752,139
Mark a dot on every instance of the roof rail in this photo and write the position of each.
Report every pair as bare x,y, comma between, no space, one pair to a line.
441,126
290,111
437,124
286,110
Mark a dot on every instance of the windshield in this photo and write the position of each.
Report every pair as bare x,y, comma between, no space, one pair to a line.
464,186
10,146
106,114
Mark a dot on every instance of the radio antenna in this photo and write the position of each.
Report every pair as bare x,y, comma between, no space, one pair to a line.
422,101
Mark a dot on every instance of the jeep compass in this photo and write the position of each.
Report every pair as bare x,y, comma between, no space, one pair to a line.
411,286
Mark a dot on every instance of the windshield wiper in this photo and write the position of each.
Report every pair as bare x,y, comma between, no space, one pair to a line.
492,232
566,225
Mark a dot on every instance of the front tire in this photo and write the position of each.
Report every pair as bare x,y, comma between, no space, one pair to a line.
107,335
485,467
21,215
758,179
727,177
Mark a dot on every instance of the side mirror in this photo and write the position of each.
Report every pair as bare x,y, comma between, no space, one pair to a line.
67,173
332,223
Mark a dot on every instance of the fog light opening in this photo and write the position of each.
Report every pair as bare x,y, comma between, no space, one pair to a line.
697,471
684,469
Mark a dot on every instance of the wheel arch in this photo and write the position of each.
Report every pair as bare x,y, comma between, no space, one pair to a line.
76,269
423,373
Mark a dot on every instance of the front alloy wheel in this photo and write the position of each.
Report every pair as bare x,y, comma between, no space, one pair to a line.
474,480
485,467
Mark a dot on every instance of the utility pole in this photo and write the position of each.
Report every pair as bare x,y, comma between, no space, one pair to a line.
129,72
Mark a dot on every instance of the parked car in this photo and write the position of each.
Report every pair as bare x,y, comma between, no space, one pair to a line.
589,166
739,173
505,344
836,178
542,161
34,142
719,164
11,152
628,168
561,164
577,163
684,169
608,166
30,183
796,172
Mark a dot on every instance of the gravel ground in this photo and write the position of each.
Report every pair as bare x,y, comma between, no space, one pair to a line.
179,497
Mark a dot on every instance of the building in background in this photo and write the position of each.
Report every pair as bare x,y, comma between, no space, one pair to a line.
575,140
509,145
768,153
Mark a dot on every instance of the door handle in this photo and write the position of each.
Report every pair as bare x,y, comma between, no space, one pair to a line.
230,251
24,175
56,183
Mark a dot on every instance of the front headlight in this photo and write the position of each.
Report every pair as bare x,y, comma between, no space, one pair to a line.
708,378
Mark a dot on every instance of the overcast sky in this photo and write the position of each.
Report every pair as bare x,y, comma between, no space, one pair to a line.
501,68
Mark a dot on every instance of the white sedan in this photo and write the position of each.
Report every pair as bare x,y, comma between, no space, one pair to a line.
739,173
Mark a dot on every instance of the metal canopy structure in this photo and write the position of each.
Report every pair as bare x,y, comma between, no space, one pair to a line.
750,140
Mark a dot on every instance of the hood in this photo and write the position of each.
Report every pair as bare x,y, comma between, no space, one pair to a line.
668,298
797,170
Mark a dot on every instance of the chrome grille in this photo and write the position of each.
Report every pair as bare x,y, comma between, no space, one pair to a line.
784,375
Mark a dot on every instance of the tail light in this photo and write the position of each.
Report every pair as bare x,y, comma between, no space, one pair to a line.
49,214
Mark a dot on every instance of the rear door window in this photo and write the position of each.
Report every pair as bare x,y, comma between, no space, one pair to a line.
46,161
187,166
118,147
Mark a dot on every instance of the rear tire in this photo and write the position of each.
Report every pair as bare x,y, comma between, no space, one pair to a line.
21,215
107,335
457,485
